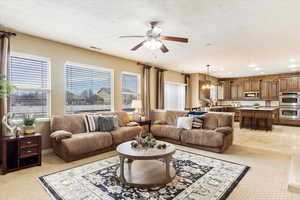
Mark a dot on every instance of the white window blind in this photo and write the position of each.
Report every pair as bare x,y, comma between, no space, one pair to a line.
130,90
31,76
87,88
174,96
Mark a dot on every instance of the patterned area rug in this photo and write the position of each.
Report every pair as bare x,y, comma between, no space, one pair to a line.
198,178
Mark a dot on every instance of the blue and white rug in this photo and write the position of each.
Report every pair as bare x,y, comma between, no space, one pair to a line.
198,178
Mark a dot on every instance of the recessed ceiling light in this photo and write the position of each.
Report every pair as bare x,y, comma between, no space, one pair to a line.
252,65
292,60
257,68
293,66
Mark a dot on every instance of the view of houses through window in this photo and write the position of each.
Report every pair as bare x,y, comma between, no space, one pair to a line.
31,76
130,90
88,88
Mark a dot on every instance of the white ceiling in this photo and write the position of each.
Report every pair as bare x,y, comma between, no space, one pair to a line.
230,35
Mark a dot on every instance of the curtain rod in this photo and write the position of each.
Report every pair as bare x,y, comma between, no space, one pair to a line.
8,33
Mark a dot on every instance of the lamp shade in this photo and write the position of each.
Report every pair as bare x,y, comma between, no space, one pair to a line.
136,104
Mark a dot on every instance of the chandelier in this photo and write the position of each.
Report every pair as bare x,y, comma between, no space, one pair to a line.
207,84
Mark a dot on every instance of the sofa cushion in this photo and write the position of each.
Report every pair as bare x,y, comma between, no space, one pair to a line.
210,121
172,115
72,123
123,134
82,143
202,137
166,131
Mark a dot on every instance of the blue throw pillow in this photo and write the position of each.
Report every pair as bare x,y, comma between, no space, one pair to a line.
196,113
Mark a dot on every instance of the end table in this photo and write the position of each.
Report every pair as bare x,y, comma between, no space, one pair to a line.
144,123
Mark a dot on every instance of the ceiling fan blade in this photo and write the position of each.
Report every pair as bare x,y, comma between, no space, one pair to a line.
131,36
164,49
176,39
138,46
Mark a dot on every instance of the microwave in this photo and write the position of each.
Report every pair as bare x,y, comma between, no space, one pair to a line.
251,95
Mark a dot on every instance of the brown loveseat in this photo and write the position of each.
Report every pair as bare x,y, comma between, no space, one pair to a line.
216,135
81,144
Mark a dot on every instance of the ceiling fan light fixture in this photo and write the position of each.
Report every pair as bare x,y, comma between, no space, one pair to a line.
153,44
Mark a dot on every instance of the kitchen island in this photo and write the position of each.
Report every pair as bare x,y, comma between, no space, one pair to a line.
257,118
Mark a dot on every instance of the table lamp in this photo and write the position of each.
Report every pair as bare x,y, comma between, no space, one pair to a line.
137,105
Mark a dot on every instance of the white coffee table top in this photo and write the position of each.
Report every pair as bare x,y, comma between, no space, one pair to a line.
140,153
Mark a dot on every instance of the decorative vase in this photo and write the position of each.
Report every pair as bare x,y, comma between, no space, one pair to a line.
29,130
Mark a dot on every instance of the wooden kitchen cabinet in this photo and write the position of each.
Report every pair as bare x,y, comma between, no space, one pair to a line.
247,85
269,90
236,92
255,85
251,85
290,84
225,86
283,84
273,92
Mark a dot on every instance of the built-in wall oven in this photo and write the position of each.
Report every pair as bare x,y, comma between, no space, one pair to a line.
289,98
289,113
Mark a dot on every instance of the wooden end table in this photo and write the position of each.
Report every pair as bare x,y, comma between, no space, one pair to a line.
144,123
142,167
21,152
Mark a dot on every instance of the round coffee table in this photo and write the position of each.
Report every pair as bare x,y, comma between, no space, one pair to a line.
142,167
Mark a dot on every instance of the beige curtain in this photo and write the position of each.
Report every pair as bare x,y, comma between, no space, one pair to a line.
160,89
146,91
4,61
187,81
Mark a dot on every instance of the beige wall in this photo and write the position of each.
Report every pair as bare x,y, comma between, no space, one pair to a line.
59,53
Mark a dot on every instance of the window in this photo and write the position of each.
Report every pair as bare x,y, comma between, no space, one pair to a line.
130,90
31,76
174,96
214,93
88,88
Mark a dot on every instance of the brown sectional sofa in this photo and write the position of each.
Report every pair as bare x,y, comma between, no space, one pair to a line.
216,135
82,144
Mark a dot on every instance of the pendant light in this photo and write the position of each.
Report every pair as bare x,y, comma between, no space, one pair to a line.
207,84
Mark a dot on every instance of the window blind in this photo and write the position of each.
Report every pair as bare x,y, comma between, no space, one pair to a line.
31,76
87,89
174,96
130,87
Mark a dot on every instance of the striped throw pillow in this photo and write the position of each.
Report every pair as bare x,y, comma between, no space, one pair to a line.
91,122
197,121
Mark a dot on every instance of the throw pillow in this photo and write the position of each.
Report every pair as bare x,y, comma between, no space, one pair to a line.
60,135
185,122
106,123
196,113
198,121
92,122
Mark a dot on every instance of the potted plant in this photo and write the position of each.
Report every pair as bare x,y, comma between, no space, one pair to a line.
29,124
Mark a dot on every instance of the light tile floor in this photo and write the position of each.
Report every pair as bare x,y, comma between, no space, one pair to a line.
267,153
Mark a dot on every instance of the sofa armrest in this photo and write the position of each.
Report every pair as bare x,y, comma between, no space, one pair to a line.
226,130
60,135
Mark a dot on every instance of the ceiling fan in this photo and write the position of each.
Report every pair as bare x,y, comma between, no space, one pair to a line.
153,39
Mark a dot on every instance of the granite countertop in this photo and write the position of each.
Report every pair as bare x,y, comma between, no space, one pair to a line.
260,108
